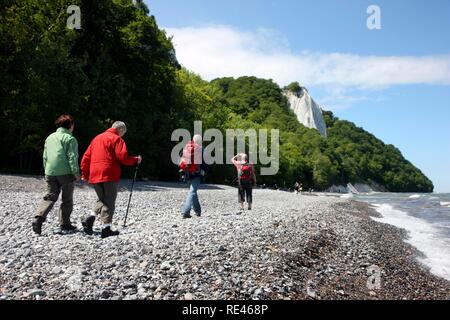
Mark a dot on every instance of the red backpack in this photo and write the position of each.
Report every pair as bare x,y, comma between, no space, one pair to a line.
191,152
246,173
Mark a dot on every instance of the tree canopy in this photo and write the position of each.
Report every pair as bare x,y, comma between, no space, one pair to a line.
121,66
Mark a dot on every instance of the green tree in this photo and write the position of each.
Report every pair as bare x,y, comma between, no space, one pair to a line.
294,87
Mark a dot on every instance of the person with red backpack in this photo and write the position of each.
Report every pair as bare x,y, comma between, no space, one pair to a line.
246,179
194,169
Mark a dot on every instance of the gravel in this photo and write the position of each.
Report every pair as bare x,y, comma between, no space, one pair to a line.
288,247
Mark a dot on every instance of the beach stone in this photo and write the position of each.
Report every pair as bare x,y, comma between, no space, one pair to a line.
166,265
311,293
129,284
258,292
35,292
189,296
56,270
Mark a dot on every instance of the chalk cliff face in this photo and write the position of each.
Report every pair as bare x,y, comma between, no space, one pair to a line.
307,110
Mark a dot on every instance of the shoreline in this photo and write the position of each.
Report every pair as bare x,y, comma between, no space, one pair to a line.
403,276
289,247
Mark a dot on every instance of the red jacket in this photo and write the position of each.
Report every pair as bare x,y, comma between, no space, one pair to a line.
101,161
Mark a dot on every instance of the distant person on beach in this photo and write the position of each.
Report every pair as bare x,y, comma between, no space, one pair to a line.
101,167
193,168
61,171
298,187
246,179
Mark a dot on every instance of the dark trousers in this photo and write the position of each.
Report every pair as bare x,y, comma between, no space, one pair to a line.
245,192
106,202
56,184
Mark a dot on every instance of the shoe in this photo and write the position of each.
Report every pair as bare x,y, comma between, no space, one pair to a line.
107,232
186,216
88,223
198,214
68,227
249,208
37,225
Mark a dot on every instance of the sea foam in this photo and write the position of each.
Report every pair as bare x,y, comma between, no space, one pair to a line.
422,235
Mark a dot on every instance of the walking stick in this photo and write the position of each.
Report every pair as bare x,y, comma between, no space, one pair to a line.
131,193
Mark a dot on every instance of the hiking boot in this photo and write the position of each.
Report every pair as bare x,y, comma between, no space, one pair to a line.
107,232
198,214
249,208
37,225
68,227
186,216
88,223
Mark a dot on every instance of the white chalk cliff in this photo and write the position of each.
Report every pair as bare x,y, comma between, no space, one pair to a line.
307,110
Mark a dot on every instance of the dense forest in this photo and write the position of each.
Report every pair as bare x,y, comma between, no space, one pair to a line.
121,66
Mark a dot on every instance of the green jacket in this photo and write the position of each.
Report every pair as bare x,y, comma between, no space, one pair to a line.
61,154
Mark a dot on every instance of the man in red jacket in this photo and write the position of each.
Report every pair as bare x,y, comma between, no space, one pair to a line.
101,167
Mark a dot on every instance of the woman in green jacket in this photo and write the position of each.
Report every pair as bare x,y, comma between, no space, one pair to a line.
61,171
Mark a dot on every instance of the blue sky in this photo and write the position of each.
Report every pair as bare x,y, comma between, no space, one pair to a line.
393,82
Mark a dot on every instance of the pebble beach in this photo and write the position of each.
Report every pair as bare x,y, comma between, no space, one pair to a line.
289,246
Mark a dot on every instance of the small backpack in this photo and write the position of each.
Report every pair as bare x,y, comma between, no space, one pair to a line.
246,173
188,163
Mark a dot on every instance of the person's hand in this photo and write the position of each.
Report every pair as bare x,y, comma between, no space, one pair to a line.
77,178
139,159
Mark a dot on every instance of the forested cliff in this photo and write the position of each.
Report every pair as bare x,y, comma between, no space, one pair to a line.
121,66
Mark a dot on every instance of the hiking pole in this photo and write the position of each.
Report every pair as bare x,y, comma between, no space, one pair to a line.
131,193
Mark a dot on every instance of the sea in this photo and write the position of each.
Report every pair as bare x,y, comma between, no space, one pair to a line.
426,218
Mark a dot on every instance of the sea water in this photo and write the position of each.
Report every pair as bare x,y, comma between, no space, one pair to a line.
426,218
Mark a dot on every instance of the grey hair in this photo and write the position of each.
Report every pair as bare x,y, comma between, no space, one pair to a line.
198,139
119,126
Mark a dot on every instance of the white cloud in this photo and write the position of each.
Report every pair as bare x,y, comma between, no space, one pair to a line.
337,98
218,51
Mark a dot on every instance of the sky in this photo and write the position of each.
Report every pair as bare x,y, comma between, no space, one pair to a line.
394,81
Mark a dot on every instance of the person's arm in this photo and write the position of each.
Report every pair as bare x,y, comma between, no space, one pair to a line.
44,155
86,164
234,161
122,154
254,174
72,156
